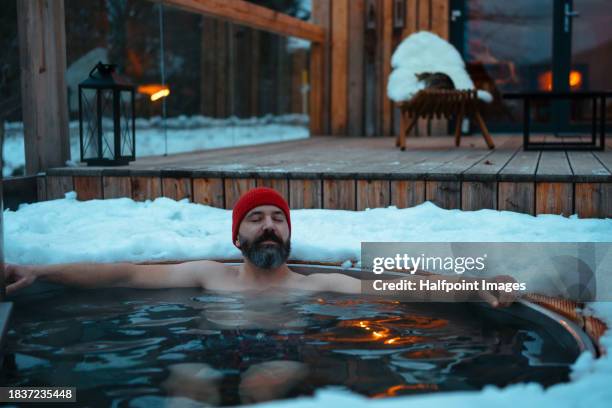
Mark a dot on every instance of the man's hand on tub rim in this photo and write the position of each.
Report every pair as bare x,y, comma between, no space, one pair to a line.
499,298
18,277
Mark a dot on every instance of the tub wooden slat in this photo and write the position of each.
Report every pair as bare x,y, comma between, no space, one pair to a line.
476,195
177,188
339,194
407,193
236,187
373,194
88,187
516,196
445,194
145,188
208,191
305,193
115,186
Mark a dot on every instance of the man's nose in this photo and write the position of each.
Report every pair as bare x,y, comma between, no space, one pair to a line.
268,224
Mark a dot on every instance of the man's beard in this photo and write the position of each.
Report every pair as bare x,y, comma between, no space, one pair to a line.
266,256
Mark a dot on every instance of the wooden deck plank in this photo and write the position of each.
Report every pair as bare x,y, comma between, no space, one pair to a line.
454,168
553,166
586,167
605,157
521,167
488,167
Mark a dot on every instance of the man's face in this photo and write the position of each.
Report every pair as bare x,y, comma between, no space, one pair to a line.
263,237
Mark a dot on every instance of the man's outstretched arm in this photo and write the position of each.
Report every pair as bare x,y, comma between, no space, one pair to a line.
123,274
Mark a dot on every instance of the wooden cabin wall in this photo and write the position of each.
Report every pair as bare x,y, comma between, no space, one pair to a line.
247,72
363,37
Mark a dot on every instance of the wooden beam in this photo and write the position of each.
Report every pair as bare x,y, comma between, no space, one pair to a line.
424,15
320,72
339,67
356,83
387,51
252,15
42,54
317,106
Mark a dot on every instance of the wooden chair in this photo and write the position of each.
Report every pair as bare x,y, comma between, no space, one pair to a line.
428,103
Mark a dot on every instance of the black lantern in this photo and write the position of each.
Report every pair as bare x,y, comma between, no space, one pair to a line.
106,118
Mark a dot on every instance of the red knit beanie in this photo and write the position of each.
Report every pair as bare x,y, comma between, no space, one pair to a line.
254,198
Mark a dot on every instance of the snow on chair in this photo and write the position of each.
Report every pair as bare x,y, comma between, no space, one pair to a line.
425,52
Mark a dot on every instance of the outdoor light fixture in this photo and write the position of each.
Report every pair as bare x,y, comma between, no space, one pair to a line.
106,118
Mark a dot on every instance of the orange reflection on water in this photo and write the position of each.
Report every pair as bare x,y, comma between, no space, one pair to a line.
382,330
401,341
395,389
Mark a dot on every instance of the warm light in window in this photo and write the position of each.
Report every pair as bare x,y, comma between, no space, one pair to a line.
160,94
155,91
545,80
575,79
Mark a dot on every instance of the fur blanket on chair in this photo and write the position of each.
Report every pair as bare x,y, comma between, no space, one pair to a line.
426,52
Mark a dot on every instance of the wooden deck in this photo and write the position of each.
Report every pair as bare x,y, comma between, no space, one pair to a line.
357,173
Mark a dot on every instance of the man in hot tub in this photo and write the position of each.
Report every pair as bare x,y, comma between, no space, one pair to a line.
261,229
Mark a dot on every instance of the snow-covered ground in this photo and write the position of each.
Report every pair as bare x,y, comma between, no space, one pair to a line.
68,230
184,134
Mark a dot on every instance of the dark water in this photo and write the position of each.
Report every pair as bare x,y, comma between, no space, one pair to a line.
139,348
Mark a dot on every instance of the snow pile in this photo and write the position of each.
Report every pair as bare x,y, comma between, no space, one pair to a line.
184,133
123,229
426,52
